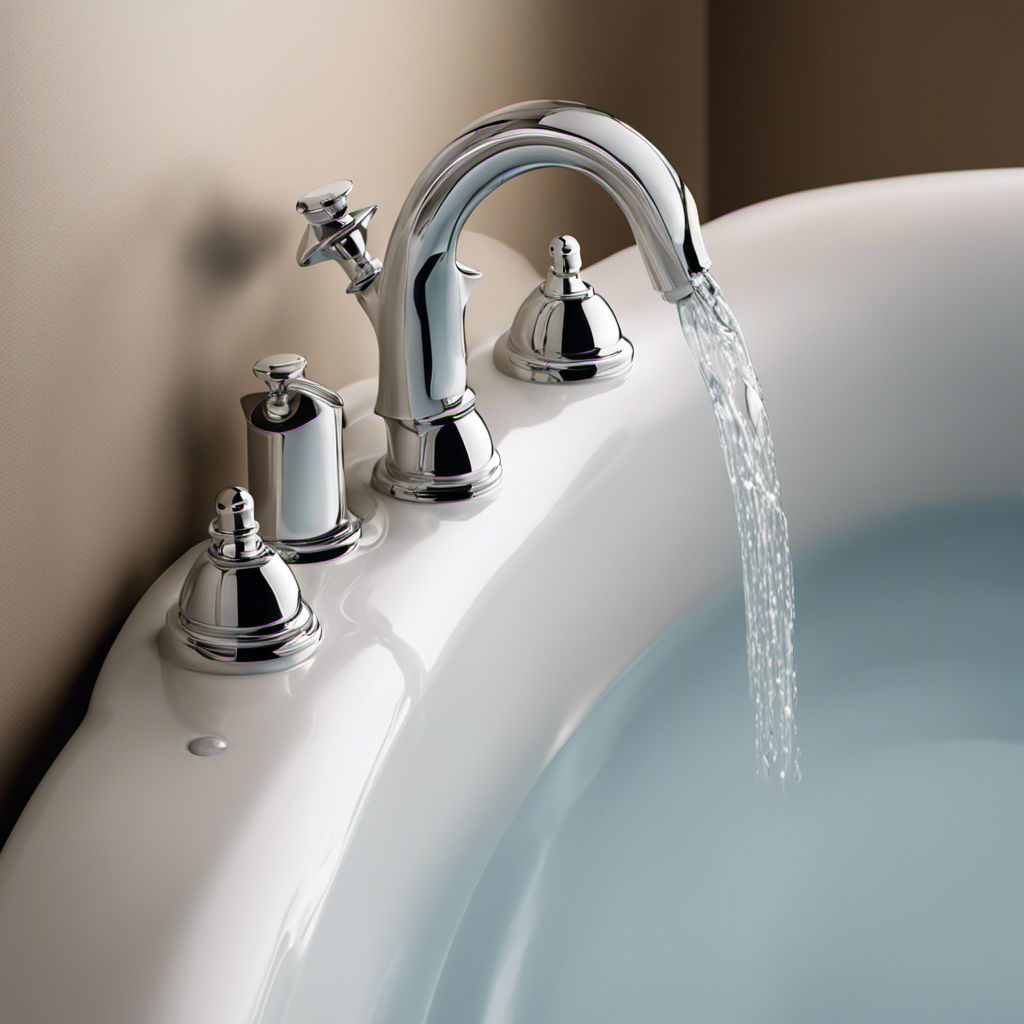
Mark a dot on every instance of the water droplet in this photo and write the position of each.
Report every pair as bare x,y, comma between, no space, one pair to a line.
207,746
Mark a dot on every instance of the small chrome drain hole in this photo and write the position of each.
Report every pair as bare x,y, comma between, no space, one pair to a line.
207,746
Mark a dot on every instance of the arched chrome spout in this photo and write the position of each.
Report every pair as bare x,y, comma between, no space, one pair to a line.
422,349
439,448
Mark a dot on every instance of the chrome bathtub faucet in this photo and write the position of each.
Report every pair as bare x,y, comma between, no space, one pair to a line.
439,448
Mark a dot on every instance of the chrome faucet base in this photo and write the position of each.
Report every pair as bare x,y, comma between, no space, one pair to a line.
269,649
339,541
539,369
447,457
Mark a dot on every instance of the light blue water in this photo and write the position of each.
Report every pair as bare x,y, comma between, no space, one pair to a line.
646,879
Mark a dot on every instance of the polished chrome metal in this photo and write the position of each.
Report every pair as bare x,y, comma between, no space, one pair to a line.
240,609
564,333
450,456
417,301
276,372
332,233
296,463
206,746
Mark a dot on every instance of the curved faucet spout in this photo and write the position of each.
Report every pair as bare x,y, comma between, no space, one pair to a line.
422,290
439,448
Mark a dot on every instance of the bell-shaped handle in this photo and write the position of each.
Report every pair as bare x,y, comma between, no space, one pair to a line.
240,609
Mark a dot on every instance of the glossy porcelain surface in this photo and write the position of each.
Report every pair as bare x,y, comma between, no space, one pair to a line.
318,867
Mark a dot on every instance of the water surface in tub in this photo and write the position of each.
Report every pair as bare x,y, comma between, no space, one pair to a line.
646,878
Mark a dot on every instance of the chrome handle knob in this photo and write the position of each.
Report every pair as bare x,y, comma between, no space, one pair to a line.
566,260
234,529
280,368
563,278
277,372
327,203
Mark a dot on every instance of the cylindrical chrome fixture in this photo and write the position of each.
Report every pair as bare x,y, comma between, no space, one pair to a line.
296,463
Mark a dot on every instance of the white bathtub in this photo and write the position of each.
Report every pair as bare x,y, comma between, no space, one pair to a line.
320,868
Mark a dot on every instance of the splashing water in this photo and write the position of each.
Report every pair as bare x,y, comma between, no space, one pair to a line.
717,344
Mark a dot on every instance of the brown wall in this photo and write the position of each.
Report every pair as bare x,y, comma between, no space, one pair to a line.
151,156
814,92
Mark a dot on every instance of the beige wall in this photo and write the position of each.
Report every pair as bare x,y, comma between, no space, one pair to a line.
151,157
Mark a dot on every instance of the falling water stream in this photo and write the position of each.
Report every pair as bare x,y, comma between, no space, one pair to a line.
717,344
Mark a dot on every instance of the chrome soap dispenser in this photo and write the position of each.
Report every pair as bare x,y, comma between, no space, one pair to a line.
296,470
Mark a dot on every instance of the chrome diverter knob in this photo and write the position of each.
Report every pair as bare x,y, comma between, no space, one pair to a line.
240,609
